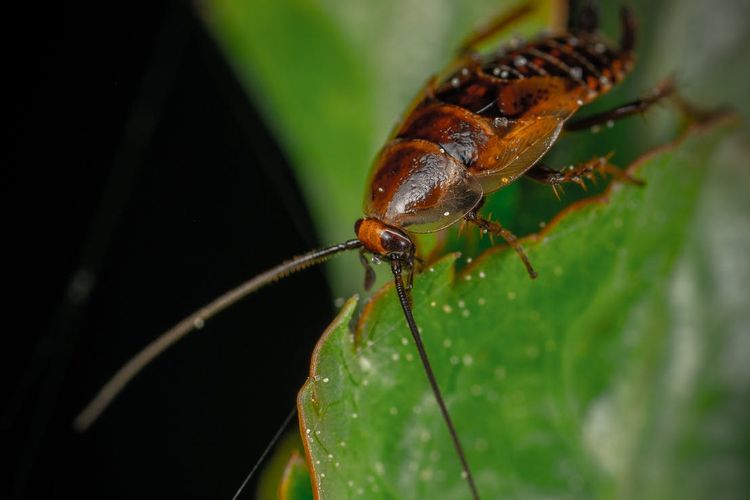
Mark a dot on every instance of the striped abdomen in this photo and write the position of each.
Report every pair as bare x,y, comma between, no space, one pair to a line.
481,113
585,61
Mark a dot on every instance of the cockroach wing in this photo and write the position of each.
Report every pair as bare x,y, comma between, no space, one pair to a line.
416,185
531,134
531,138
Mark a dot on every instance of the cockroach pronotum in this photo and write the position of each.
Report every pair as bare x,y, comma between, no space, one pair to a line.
487,122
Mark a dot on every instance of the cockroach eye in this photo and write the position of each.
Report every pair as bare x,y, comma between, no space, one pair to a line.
395,242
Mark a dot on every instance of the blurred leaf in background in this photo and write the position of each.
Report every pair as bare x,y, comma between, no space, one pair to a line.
333,76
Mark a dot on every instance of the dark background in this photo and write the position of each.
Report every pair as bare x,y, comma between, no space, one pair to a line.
140,183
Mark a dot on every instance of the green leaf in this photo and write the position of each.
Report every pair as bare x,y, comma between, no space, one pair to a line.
597,380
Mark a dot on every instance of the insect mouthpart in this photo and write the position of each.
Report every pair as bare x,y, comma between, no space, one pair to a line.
382,239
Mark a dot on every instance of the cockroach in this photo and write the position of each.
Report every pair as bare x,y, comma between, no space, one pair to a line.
485,123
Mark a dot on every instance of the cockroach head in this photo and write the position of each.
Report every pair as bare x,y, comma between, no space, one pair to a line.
382,239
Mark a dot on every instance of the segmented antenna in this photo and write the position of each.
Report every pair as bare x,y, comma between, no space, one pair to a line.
404,299
196,321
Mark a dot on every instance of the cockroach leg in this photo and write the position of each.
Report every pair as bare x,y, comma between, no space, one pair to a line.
473,41
607,118
692,112
495,228
587,20
579,173
369,271
410,277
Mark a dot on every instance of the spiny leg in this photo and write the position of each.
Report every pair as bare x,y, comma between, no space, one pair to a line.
492,227
579,173
665,89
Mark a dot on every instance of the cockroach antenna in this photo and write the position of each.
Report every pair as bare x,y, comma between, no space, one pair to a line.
404,299
196,321
265,453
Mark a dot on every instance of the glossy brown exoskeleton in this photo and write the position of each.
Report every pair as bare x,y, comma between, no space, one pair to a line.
485,125
489,121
